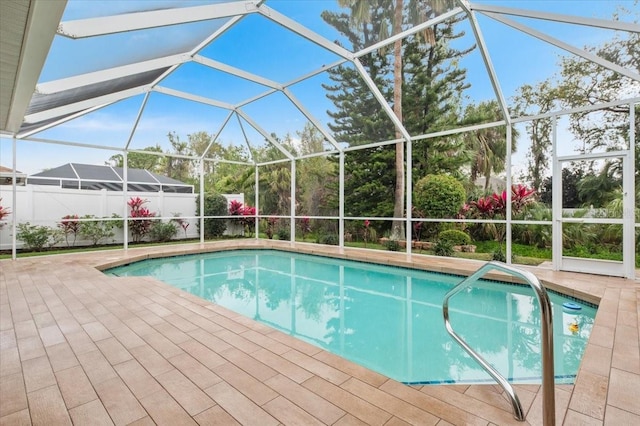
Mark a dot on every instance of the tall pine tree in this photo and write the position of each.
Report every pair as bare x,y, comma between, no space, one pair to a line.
432,85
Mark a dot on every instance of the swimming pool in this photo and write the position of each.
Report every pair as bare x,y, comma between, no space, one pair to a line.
388,319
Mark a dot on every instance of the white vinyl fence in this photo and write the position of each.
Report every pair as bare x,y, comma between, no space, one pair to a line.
47,205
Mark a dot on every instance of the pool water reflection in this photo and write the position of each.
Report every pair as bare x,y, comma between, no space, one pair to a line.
388,319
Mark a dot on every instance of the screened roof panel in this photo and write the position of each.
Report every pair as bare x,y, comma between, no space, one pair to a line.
43,102
63,172
81,56
87,171
136,175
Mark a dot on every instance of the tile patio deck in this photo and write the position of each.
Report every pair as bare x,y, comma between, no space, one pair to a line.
79,347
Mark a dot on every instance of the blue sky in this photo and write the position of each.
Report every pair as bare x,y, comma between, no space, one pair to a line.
269,51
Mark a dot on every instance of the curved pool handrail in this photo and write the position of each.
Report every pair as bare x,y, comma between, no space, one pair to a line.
548,386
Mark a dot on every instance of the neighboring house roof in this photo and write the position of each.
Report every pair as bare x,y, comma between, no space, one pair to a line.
88,176
6,176
6,171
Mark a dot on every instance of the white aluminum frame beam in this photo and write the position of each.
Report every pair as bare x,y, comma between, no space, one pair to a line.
246,139
427,24
236,72
381,100
58,122
303,31
42,22
489,65
311,118
114,24
565,46
74,82
549,16
192,97
217,135
264,133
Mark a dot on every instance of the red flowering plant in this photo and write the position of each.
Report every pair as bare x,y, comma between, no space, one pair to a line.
494,206
365,231
4,212
182,223
139,225
70,227
246,215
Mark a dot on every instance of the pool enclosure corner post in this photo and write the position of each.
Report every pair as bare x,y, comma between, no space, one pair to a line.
509,210
628,199
292,209
409,196
546,337
341,201
201,195
125,189
256,198
14,199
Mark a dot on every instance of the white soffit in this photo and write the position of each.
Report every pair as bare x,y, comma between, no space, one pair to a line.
27,29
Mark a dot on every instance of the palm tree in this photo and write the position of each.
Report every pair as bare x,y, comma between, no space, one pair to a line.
417,12
488,146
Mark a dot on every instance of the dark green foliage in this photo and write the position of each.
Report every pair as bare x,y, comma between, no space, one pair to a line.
432,86
499,255
570,196
284,233
392,245
329,239
214,205
438,196
162,231
443,248
96,230
455,237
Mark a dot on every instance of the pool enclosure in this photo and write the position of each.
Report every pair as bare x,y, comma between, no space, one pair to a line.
333,117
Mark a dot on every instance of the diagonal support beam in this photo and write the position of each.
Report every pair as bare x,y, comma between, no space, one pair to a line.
101,76
264,133
303,31
567,19
311,118
381,100
236,72
495,82
565,46
191,97
92,27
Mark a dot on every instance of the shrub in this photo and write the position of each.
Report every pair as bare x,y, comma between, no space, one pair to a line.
214,205
392,245
37,237
162,231
455,237
438,196
284,234
96,230
329,239
499,255
443,248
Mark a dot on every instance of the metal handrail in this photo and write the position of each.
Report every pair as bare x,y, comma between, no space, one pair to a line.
548,387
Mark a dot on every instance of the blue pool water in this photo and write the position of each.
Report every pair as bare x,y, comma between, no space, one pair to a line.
388,319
